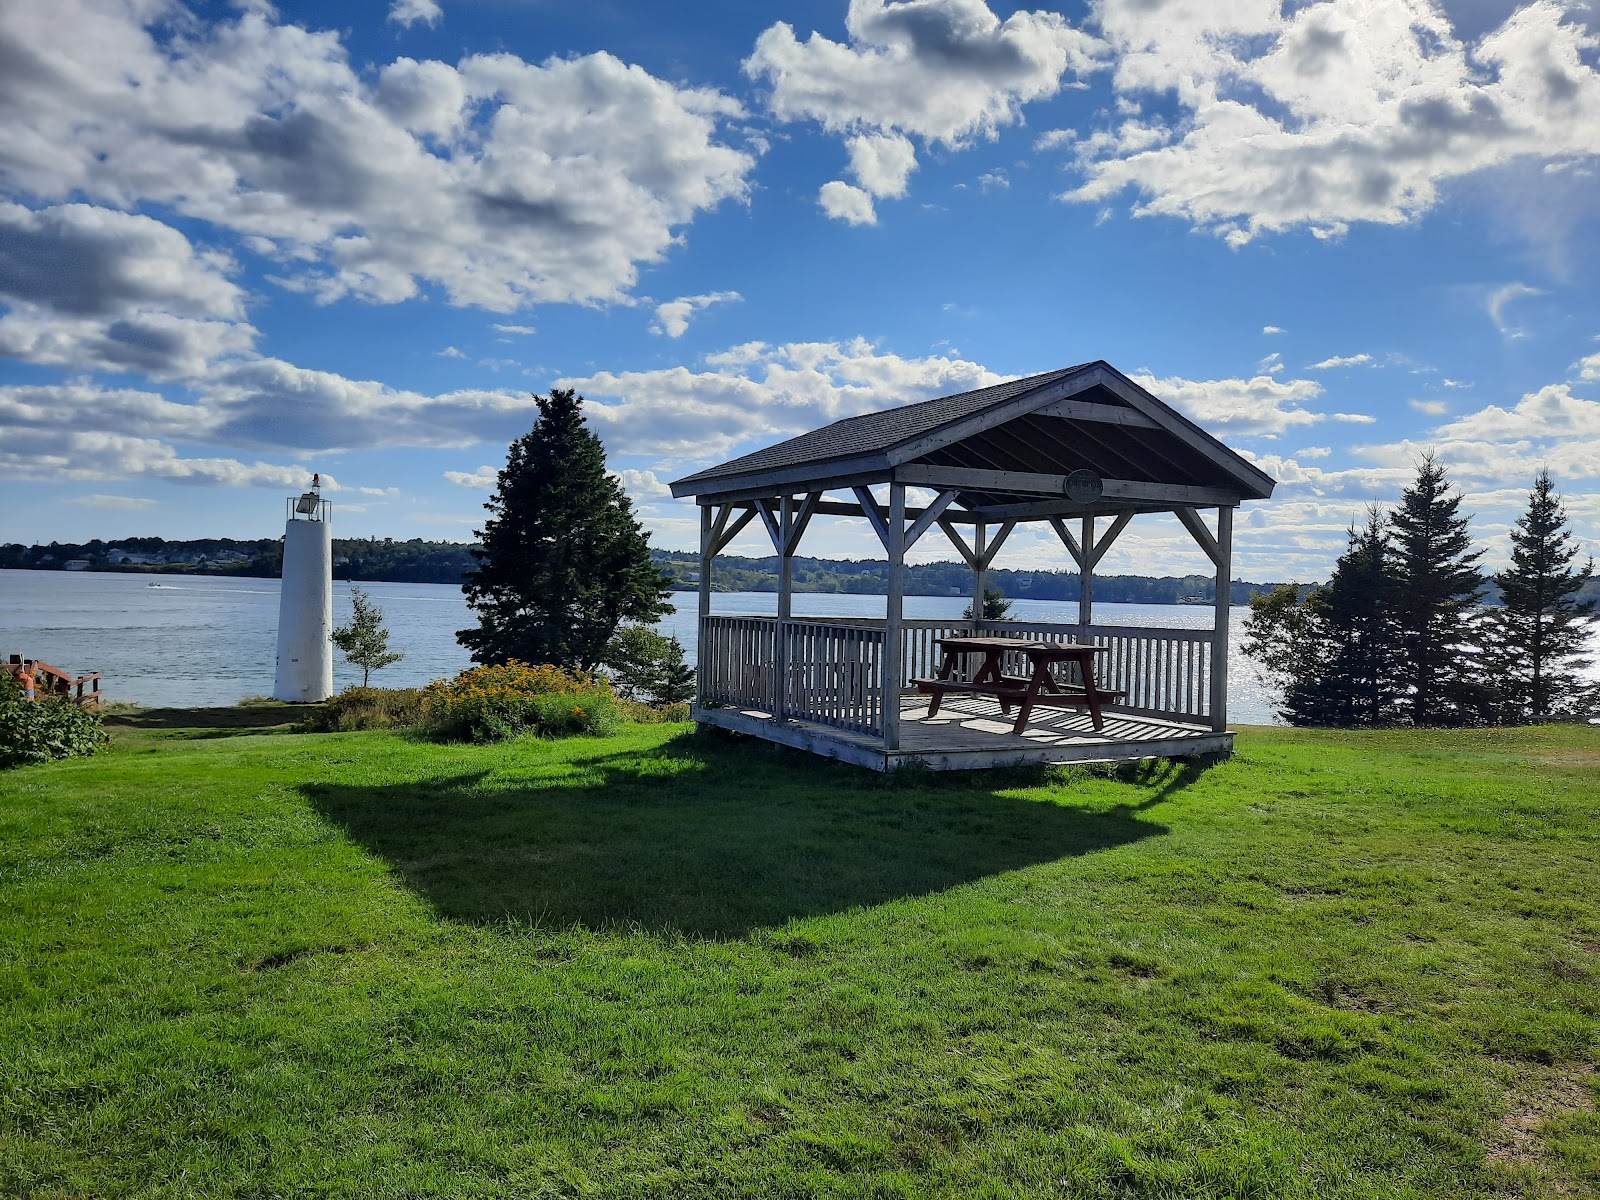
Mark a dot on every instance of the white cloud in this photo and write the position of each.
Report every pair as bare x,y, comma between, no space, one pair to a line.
1313,452
451,352
1434,408
409,12
515,329
1262,406
1586,368
1318,115
673,317
1271,329
843,202
945,71
994,179
482,479
1351,360
642,485
101,500
1496,301
501,182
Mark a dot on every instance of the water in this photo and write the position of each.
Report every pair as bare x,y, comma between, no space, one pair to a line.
201,640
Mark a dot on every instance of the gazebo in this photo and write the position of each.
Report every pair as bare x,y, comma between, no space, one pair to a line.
1083,451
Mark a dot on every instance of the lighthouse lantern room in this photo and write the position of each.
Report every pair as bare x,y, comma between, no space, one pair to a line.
305,600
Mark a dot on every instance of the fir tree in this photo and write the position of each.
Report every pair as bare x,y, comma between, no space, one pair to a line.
1437,585
1353,681
1542,628
563,560
365,640
995,606
649,666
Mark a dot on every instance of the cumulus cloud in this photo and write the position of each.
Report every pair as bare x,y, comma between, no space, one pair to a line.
1262,406
945,71
673,317
409,12
482,479
1271,329
502,182
1318,115
1587,367
843,202
642,485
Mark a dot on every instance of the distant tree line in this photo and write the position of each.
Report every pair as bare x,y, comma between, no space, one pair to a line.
1400,633
418,561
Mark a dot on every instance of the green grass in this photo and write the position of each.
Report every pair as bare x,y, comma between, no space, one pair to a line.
241,962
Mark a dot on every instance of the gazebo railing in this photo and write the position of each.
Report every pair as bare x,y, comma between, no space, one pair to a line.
835,665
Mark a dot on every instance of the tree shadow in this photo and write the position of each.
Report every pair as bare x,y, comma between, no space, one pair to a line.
213,722
700,836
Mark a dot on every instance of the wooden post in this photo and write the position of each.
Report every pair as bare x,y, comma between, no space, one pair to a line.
1086,578
893,643
980,547
702,657
1219,633
780,687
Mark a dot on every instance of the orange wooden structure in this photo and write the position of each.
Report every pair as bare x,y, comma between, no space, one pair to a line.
40,680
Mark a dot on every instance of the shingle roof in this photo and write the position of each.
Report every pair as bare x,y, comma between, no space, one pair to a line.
872,432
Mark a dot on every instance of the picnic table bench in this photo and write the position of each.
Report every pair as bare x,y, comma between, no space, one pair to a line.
1040,688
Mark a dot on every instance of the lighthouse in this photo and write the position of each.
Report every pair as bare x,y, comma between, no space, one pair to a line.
305,600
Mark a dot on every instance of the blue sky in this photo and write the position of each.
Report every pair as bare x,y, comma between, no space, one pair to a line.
239,243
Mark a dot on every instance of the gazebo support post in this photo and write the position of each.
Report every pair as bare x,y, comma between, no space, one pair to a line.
893,639
1086,578
1219,633
980,569
702,656
780,687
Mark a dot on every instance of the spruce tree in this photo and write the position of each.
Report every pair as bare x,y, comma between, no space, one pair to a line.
1437,586
1353,680
563,560
1540,632
365,640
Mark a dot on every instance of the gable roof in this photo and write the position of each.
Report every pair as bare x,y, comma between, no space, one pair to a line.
1166,445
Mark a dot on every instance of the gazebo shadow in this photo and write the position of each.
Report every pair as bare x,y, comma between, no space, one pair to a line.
704,837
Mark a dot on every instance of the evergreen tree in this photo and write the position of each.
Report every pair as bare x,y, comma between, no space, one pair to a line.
1332,651
365,640
995,606
1540,632
1353,683
1437,586
649,666
563,560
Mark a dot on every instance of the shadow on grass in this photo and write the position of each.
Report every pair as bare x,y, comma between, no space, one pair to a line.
217,722
702,836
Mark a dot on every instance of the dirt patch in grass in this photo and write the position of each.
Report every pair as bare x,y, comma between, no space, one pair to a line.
1535,1098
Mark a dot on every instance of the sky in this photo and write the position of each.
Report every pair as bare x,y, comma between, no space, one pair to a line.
240,243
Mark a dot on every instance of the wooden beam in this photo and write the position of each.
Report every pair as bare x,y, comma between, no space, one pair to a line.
822,476
733,530
710,528
1068,540
799,521
980,566
959,542
1103,542
1198,531
998,540
998,414
1104,414
928,517
770,520
893,642
1086,576
971,479
873,514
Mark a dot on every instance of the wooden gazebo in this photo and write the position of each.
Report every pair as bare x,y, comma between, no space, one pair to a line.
1083,450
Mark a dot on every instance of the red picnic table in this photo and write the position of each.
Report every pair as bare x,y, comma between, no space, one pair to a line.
1038,689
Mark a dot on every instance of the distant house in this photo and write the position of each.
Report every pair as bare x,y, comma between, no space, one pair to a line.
75,564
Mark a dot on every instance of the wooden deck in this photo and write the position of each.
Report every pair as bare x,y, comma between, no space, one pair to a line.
971,733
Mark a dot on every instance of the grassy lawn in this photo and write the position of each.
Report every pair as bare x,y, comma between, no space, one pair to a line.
236,961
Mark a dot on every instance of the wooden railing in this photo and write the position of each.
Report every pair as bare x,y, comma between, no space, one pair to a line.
1165,672
39,680
830,669
833,667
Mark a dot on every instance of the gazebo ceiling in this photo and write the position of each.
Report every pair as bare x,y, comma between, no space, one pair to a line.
1007,450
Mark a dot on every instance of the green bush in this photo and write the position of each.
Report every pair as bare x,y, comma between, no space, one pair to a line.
366,708
649,666
36,731
641,713
494,703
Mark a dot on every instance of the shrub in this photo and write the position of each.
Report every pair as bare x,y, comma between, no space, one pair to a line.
652,714
493,703
366,708
647,665
36,731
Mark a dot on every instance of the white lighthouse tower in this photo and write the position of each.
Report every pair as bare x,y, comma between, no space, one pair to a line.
305,600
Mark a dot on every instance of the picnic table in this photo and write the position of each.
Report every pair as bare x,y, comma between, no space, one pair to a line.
1039,688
